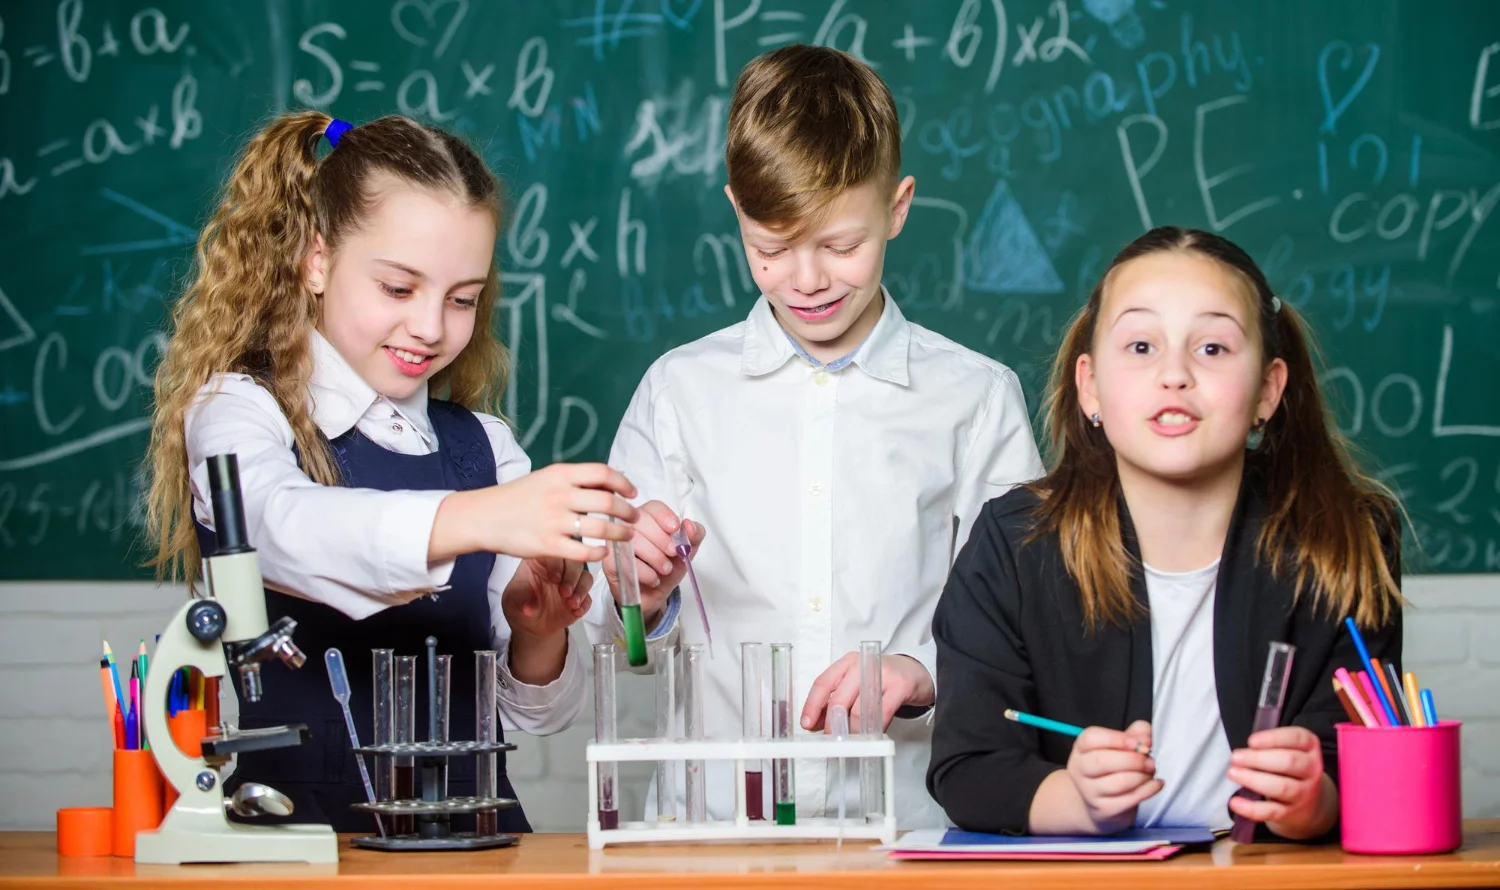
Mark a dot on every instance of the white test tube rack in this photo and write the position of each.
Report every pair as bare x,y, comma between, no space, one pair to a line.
809,747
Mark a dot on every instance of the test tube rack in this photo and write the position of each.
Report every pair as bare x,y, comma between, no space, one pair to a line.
808,747
431,812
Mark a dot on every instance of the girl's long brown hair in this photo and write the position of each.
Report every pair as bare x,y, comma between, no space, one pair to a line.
248,310
1326,518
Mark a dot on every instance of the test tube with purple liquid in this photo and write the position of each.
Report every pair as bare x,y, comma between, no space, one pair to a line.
1267,716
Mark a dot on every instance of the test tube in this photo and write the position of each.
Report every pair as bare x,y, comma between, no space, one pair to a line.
838,727
604,731
630,602
781,727
871,791
752,707
383,670
441,729
692,727
404,781
486,731
666,774
1273,685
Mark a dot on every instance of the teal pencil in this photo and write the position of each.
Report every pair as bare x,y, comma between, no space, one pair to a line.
1056,726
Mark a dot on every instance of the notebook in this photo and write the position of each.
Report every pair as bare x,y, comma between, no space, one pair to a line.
1140,843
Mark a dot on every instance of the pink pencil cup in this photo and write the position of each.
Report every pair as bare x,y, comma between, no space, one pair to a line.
1399,789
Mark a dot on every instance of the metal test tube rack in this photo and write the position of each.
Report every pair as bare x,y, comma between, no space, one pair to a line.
602,757
429,812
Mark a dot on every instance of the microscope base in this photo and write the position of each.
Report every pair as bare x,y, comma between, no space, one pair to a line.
235,842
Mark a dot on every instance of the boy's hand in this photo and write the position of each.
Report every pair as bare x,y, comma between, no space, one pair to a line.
1285,766
903,681
658,568
1110,775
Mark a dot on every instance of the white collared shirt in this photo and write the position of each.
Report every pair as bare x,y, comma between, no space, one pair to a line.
835,502
358,550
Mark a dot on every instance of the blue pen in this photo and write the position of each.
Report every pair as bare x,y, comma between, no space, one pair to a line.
1364,657
131,729
1429,710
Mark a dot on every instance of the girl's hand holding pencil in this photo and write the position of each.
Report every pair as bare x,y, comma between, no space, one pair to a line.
1113,772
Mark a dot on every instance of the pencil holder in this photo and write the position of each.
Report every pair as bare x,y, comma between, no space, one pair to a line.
188,729
137,797
1399,789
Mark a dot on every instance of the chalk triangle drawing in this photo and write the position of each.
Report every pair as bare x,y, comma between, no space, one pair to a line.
22,334
1003,255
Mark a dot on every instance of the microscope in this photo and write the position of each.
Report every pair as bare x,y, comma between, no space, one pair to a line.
227,629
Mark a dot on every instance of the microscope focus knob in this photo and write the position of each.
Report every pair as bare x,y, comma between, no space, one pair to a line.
206,621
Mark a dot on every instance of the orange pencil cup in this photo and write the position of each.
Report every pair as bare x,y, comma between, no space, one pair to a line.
85,831
1399,788
138,793
188,729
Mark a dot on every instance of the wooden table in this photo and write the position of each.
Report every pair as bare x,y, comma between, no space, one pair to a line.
29,859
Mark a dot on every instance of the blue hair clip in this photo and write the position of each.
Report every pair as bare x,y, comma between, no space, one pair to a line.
336,129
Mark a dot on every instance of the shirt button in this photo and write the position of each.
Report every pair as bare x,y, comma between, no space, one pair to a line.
820,377
816,604
815,490
397,427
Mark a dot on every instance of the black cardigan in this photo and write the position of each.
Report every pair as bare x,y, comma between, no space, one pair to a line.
1009,633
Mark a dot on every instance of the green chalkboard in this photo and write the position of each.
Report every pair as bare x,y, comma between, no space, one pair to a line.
1353,146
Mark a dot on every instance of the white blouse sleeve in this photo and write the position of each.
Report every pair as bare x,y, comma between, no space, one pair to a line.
357,550
538,710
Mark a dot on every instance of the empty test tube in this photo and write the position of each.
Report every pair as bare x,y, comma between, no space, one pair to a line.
752,708
383,669
783,791
486,731
692,727
838,727
441,729
630,602
666,711
404,770
604,731
871,692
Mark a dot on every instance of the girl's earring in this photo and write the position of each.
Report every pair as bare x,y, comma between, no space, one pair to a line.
1094,419
1256,435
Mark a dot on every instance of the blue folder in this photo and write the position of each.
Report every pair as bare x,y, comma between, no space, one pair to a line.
1190,835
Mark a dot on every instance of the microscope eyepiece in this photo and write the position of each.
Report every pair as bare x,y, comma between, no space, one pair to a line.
229,507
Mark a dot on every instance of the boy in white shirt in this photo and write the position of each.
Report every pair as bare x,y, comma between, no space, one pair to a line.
838,452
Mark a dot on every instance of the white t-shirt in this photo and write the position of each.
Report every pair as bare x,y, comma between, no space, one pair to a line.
1188,741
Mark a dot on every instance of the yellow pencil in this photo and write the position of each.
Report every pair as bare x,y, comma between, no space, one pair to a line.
1414,699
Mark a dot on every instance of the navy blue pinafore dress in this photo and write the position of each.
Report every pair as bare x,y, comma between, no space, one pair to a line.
321,777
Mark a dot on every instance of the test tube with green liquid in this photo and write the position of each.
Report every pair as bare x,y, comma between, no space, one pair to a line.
781,728
630,602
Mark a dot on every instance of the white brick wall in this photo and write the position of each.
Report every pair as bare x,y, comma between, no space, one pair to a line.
58,743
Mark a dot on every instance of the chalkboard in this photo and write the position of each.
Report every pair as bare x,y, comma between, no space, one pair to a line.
1352,146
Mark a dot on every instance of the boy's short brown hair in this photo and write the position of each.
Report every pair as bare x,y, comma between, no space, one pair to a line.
806,124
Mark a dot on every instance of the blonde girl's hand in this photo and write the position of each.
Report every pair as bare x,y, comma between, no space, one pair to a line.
541,514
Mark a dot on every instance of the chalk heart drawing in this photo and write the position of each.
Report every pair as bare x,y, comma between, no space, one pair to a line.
413,19
683,19
1332,110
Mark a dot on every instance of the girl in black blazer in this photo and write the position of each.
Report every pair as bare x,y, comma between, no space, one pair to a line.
1199,507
